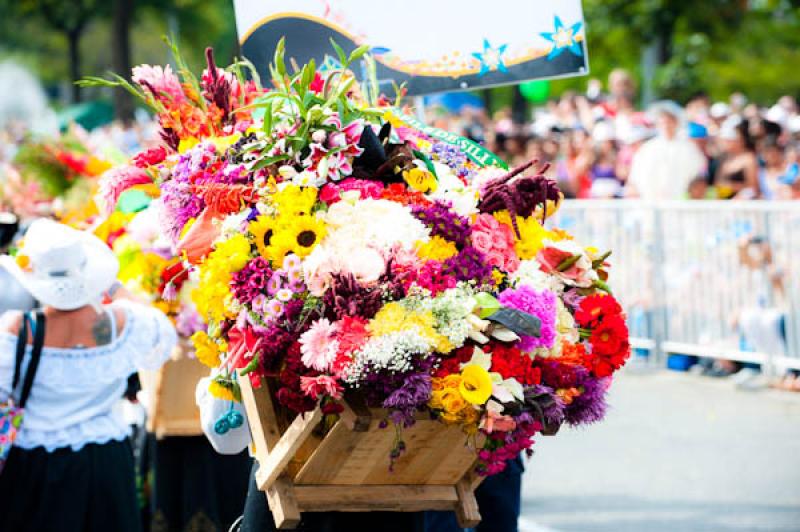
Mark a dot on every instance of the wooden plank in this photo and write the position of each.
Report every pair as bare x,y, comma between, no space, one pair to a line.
261,417
279,456
371,451
467,513
459,461
375,498
414,464
265,431
170,395
283,504
330,456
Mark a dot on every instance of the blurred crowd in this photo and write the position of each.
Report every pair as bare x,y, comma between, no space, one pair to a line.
600,145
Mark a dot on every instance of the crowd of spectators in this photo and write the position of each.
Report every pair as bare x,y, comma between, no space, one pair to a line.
600,145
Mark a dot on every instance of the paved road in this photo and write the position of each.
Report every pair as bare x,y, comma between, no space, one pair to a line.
676,452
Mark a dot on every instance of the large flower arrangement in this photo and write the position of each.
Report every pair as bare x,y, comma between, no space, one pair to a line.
337,250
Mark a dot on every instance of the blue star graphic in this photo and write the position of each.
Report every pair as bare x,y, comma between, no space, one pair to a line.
491,58
563,38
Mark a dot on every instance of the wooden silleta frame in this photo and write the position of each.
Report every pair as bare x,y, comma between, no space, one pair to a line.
347,469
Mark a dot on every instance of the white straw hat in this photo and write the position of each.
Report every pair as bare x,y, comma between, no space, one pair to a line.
61,266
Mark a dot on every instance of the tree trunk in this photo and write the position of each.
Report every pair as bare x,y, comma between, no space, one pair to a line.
73,41
121,56
486,96
519,107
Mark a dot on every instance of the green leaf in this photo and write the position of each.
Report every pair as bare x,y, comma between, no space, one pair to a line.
278,61
266,161
250,367
357,54
339,52
568,263
487,303
428,163
599,261
267,126
602,286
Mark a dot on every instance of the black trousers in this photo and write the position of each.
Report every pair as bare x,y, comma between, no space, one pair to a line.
258,518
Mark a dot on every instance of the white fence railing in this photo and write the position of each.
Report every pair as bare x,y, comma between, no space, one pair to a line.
678,269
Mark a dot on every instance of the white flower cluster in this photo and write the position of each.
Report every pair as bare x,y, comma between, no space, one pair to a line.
451,310
393,352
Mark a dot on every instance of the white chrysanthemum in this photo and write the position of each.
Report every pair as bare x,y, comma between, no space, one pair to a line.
529,274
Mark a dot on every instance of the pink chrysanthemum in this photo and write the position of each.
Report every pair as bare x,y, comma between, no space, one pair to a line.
318,345
316,387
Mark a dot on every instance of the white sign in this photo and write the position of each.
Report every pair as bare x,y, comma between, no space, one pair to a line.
431,45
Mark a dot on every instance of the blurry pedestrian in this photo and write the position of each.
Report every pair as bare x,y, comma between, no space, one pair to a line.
13,295
71,465
737,174
664,165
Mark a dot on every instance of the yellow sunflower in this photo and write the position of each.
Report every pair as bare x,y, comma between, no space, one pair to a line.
302,236
262,229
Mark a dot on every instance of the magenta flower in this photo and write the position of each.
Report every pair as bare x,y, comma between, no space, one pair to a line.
540,304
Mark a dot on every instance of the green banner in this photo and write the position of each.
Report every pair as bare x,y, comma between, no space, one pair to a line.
477,153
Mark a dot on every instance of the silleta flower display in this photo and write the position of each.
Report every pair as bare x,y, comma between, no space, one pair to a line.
334,249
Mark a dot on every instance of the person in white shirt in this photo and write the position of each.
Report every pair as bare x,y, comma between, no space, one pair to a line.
71,466
665,165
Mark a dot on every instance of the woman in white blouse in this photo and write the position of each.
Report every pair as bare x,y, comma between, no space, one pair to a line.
71,466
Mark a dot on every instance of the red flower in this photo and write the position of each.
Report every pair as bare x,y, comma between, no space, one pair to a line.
511,362
317,84
150,157
452,364
610,336
596,308
610,347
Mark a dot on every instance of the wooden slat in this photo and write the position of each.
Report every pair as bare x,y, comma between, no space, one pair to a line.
264,428
279,456
413,465
460,459
375,498
170,395
283,504
325,462
261,417
467,513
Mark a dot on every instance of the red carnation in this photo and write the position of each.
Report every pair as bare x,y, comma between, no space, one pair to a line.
510,362
595,308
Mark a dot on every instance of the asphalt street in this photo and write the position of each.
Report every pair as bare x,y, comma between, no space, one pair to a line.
676,452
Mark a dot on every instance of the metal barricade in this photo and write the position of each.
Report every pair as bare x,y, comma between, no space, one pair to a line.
679,271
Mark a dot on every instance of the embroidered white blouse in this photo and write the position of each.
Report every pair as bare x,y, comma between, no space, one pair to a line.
74,392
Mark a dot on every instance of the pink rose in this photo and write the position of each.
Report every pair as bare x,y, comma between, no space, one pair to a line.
481,241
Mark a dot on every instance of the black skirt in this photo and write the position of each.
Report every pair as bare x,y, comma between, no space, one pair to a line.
194,487
90,490
258,518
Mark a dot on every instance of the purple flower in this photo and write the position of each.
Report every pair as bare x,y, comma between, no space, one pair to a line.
179,205
540,304
188,321
444,222
469,264
251,280
590,405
